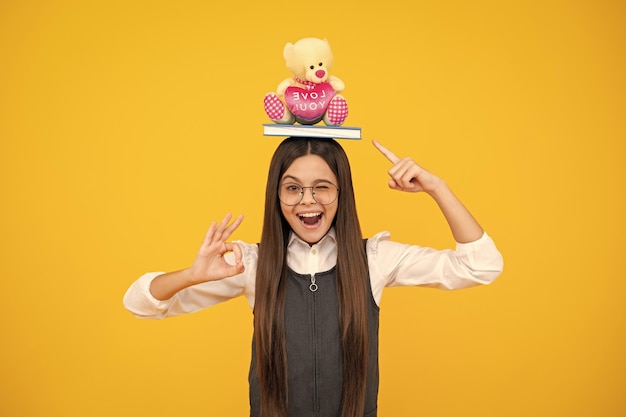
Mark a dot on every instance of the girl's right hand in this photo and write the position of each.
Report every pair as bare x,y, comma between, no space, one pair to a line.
210,264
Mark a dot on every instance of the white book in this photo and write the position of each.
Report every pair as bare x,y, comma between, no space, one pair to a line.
312,131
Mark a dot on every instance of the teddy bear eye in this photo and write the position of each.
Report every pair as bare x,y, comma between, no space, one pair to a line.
312,67
320,64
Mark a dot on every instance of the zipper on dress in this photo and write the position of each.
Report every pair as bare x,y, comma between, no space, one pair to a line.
313,285
316,404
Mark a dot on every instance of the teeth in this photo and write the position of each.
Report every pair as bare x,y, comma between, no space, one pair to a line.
309,214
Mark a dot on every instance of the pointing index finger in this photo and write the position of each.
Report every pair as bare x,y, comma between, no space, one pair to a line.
388,154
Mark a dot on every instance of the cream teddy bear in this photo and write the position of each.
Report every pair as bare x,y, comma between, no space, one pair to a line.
312,95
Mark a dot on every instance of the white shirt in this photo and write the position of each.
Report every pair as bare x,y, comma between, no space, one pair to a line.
390,264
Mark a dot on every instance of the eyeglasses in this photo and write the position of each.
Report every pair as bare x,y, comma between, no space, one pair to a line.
323,192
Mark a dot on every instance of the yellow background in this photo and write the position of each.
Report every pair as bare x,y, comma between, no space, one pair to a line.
127,127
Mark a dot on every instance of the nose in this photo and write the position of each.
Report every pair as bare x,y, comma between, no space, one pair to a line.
320,73
307,197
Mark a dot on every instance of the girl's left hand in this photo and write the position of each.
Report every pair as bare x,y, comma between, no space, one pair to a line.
406,175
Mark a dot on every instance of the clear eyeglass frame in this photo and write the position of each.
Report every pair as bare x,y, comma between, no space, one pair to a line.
318,190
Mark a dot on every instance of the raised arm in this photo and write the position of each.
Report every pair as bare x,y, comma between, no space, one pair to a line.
408,176
209,264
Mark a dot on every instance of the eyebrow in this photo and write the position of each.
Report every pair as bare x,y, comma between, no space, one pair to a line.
291,177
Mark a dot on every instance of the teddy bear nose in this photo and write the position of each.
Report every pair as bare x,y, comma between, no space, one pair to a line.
320,73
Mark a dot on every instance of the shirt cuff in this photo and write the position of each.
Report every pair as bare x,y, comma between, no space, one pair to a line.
481,256
469,247
140,301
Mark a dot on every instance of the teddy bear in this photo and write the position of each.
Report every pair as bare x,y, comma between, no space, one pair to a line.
312,94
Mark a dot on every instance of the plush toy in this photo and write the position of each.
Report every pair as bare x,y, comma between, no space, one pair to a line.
312,95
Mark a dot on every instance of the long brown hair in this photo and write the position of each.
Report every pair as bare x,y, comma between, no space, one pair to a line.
271,279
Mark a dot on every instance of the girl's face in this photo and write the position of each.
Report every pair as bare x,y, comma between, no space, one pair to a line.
309,219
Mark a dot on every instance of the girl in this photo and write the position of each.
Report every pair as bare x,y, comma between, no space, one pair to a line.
314,283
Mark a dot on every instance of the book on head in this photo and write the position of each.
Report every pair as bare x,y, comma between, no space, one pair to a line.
312,131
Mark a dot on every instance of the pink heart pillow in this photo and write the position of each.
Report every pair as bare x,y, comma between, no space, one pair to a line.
309,106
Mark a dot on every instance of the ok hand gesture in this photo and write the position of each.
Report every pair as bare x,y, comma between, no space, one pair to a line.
210,264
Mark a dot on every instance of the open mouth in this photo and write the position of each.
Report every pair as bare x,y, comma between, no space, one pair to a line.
310,219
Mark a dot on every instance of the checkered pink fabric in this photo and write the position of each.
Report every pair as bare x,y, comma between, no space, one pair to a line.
337,111
274,108
308,85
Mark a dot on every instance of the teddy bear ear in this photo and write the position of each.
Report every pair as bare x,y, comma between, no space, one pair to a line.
287,50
